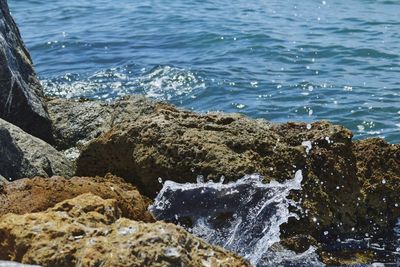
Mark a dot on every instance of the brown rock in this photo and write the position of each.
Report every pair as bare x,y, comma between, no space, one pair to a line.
88,231
21,95
39,194
179,145
378,167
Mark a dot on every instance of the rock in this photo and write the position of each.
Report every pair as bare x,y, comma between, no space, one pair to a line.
179,145
331,195
39,194
21,95
378,167
89,231
77,122
23,155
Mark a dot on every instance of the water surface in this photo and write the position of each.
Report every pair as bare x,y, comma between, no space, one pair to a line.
278,59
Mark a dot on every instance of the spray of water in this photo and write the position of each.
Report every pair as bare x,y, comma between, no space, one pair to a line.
243,216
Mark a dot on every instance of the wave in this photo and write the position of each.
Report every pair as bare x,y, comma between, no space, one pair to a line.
243,216
161,82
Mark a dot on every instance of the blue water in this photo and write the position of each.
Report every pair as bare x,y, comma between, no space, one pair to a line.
281,60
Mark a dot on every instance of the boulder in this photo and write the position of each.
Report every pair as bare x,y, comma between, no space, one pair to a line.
38,194
21,94
75,122
23,155
378,168
89,231
179,145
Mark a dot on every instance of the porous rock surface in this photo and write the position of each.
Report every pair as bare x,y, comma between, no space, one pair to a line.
179,145
76,122
23,155
378,166
39,194
21,95
89,231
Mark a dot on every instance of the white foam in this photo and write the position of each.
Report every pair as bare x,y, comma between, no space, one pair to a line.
243,216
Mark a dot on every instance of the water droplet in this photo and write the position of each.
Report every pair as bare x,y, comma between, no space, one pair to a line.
160,180
200,179
308,126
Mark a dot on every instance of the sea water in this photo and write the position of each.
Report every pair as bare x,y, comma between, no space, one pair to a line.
243,216
275,59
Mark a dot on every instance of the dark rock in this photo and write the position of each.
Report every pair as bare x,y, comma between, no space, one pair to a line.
21,95
378,167
23,155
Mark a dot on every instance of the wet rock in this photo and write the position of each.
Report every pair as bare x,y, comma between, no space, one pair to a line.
23,155
331,190
378,167
179,145
77,122
348,258
21,95
299,243
39,194
89,231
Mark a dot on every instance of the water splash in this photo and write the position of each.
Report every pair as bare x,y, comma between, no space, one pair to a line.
243,216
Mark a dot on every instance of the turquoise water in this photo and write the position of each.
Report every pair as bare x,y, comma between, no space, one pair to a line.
281,60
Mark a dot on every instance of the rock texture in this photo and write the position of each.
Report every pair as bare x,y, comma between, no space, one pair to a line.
39,194
21,95
89,231
77,122
179,145
23,155
378,167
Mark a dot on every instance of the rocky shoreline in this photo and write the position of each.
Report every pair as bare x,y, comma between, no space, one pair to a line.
77,176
